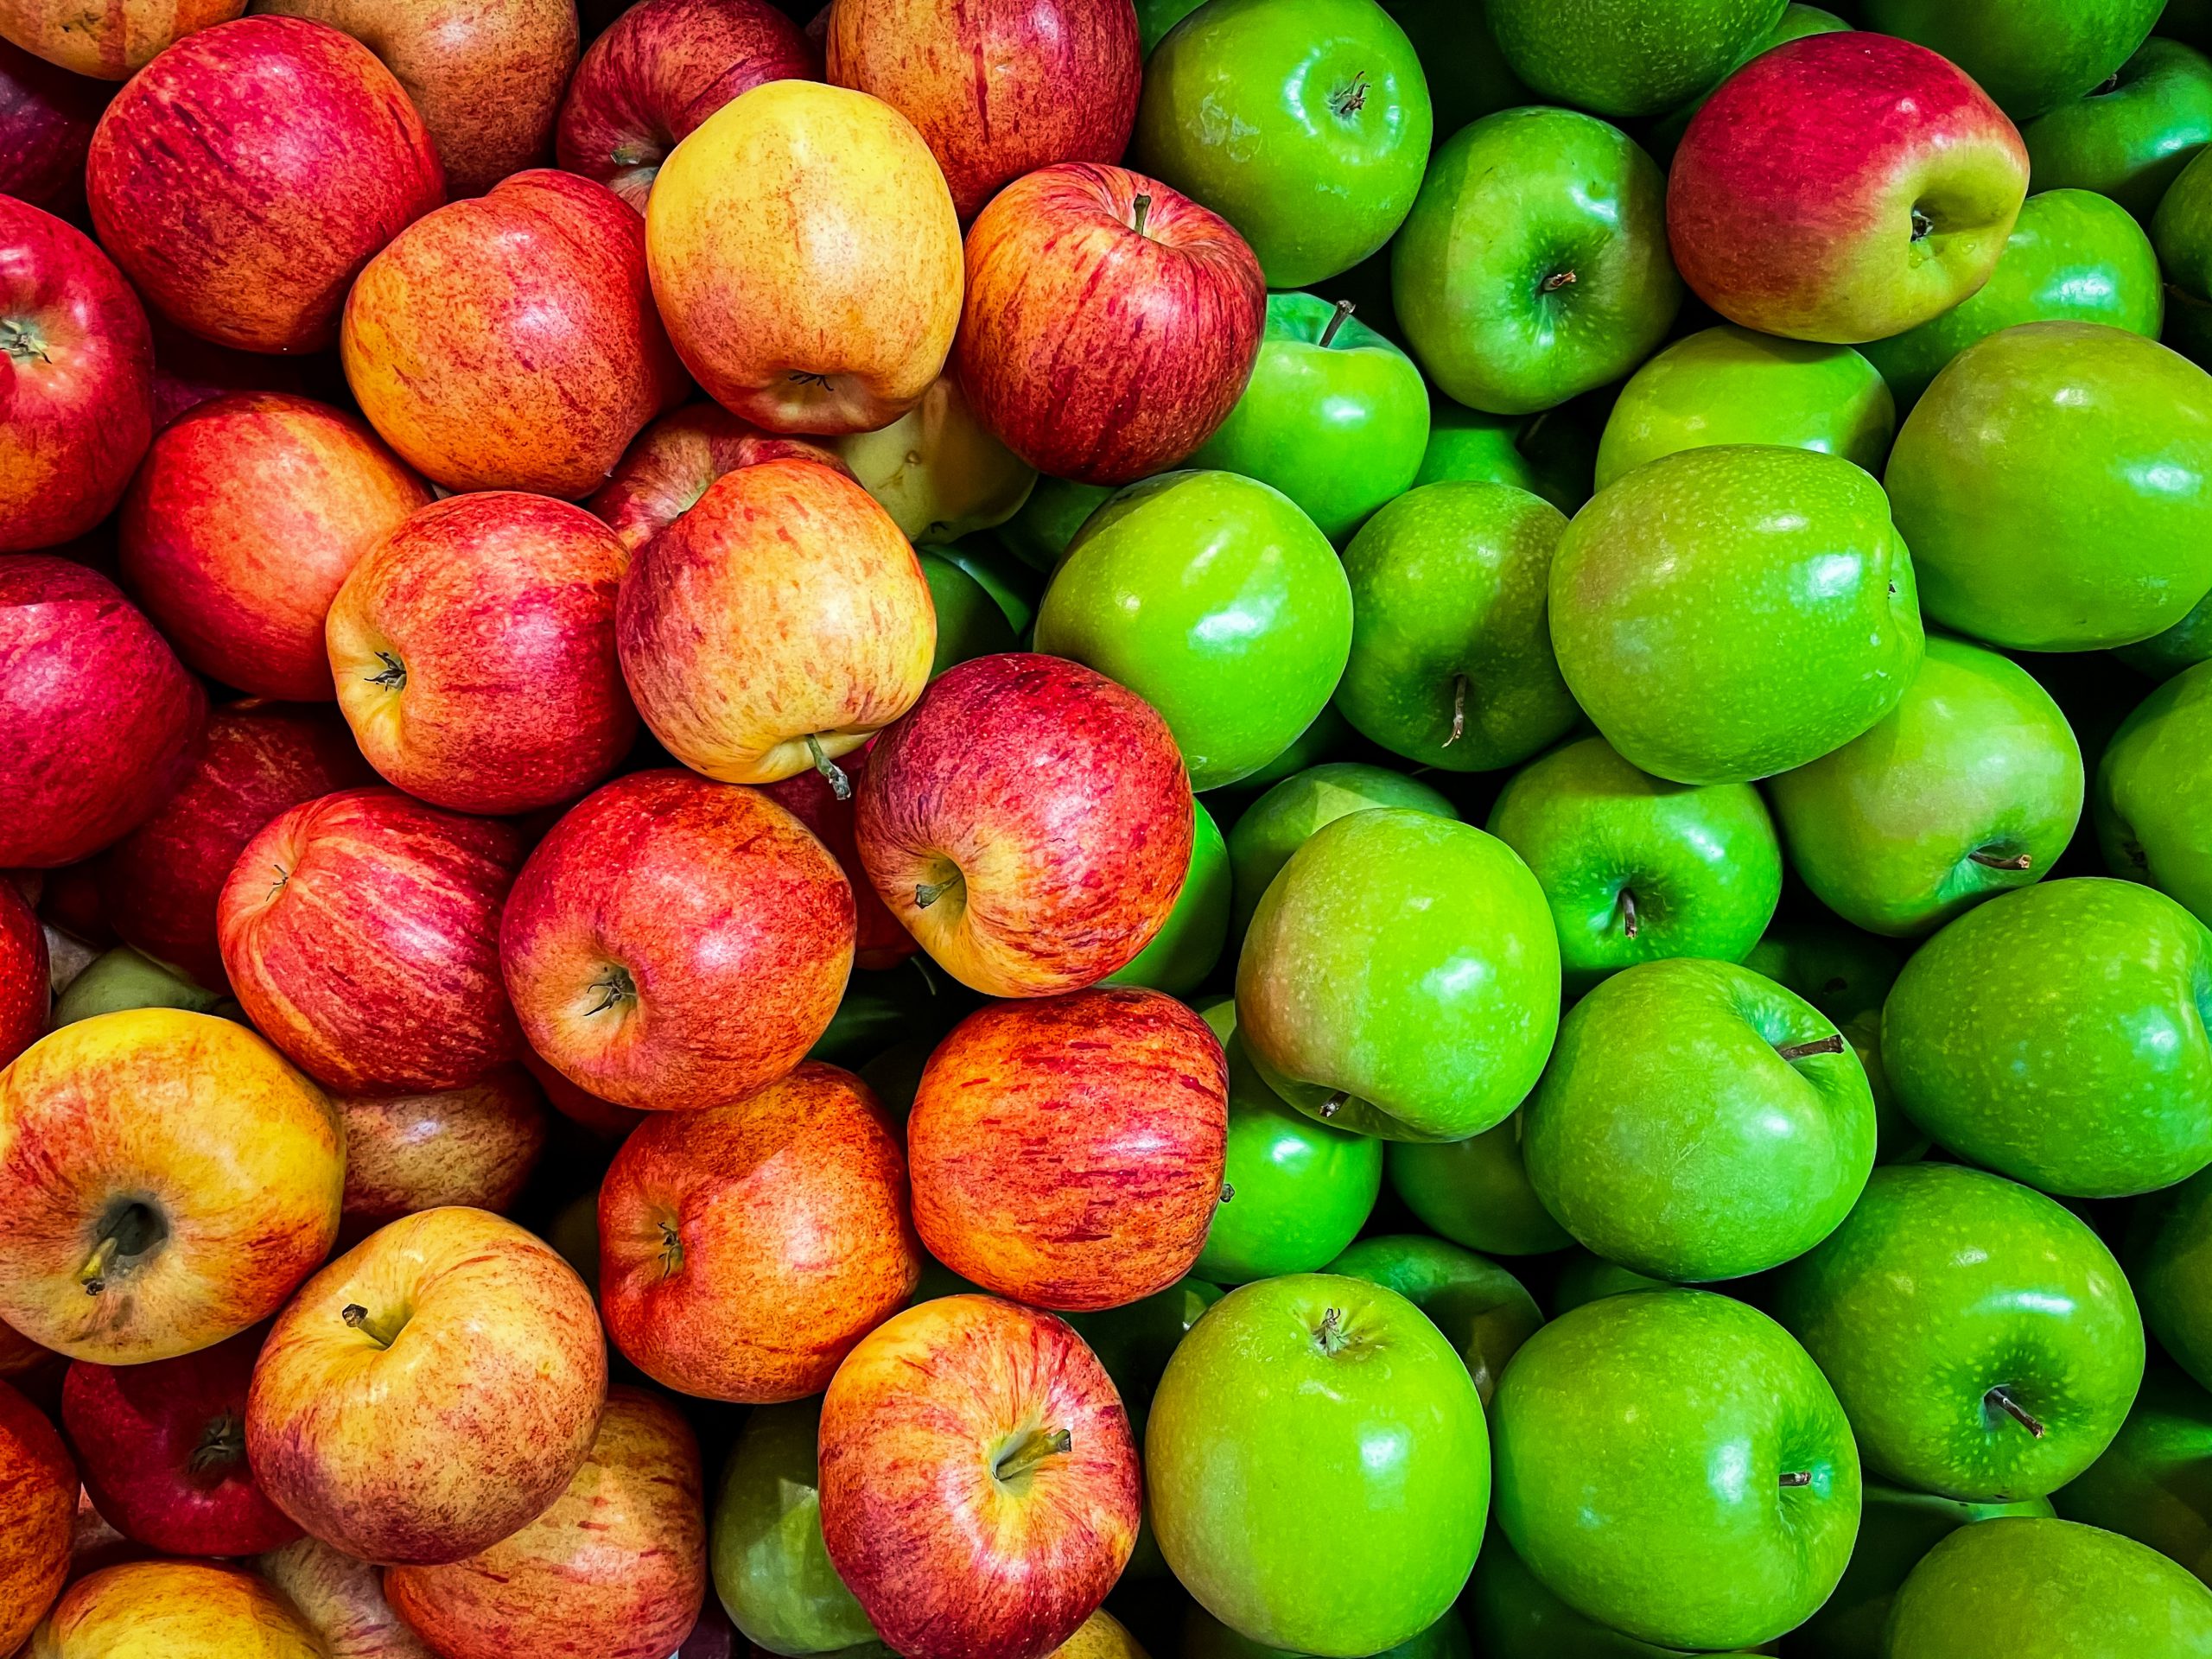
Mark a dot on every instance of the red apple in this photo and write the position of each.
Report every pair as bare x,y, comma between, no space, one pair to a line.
744,1250
660,69
189,372
879,942
26,991
474,1146
603,1117
242,526
47,117
979,1487
665,472
474,649
38,1508
1110,323
247,174
103,722
1030,822
343,1600
360,932
998,87
162,1448
160,885
76,380
675,944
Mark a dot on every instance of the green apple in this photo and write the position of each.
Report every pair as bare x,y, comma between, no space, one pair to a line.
1534,264
1467,74
2182,232
574,1233
2154,1482
1451,661
1190,942
1635,868
2153,806
2030,55
2032,1589
770,1567
1730,385
2057,1035
2129,135
1334,416
1485,1311
1475,1191
1585,1278
121,978
1512,1616
1014,585
1551,454
1212,597
1673,1464
1305,124
2169,1263
2055,484
1983,1339
1629,57
969,621
1156,17
1328,737
1797,22
1724,614
1839,970
1401,977
1205,1636
2186,644
1318,1466
1040,532
1280,821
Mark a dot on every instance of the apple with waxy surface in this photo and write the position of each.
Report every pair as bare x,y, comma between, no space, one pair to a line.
937,471
1188,947
26,969
114,43
2153,801
2168,1266
2032,57
180,1609
772,1569
2129,137
669,466
1481,1308
1622,58
475,1145
1476,1191
34,1535
1282,821
2151,1482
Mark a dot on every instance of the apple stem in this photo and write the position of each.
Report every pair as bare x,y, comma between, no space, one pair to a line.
1334,1103
615,986
1031,1450
1345,309
930,891
1459,709
1921,225
357,1317
93,1275
2000,862
1227,1193
672,1251
1629,923
2001,1397
1351,99
1556,281
1805,1051
1796,1478
1330,1334
840,785
1140,210
128,1232
394,673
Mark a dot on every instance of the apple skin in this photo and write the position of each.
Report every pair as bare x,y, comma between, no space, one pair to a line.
1097,351
1476,1191
669,466
1791,204
674,944
1282,820
1056,804
39,1485
659,70
472,1146
360,932
81,399
343,1600
1205,1636
212,1168
879,942
2031,58
26,985
1067,1151
242,526
1510,1613
2128,138
2153,786
1662,135
474,649
772,1569
2182,232
1552,454
936,469
2150,1484
47,117
180,1609
2168,1264
241,230
1620,58
112,43
1481,1308
1188,947
947,1558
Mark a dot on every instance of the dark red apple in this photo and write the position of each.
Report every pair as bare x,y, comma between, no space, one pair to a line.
47,117
603,1118
189,372
668,467
879,942
26,992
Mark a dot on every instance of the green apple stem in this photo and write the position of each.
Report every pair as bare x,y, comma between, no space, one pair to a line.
1629,922
1330,1333
1796,1478
840,785
93,1275
1140,210
393,674
1031,1449
357,1318
127,1232
1345,309
223,1447
1818,1046
930,891
2001,1398
19,340
2003,862
1459,709
1334,1103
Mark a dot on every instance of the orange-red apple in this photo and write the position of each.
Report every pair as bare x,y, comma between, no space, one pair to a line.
473,1146
343,1600
879,942
178,1610
665,472
110,40
38,1515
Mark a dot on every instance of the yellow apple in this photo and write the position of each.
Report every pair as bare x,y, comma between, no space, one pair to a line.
172,1610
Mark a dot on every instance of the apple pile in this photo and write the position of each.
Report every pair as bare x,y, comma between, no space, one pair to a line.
991,829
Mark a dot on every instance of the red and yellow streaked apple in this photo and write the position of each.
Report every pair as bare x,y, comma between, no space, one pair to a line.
110,41
38,1519
665,472
473,1146
180,1609
342,1600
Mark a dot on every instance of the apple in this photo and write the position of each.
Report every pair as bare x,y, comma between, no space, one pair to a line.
2128,136
26,989
1188,949
342,1600
1990,1591
115,42
980,1493
1552,454
879,943
2150,791
474,1146
669,466
47,117
1276,826
2030,57
242,524
165,1180
2182,232
189,370
674,944
245,232
2166,1259
937,471
1476,1191
180,1609
2149,1484
658,71
1511,1614
121,979
1843,188
42,1486
1466,74
772,1569
1665,133
1481,1308
1621,58
360,932
1042,527
1205,1636
1110,323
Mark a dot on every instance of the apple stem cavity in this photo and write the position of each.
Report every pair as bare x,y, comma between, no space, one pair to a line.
1629,922
840,785
21,340
929,893
393,673
1025,1453
2107,86
1796,1478
222,1447
1329,1335
809,378
129,1231
1459,710
1990,861
1351,98
357,1318
1140,210
614,987
1345,309
1922,224
2001,1397
672,1251
1556,281
1334,1103
1806,1050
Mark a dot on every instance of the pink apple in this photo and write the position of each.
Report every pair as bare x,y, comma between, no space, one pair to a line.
47,117
474,1146
665,472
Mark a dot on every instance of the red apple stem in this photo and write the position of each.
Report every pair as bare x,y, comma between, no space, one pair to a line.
1805,1051
2001,1398
1345,309
357,1317
2002,861
1031,1449
1629,922
1459,709
840,785
1796,1478
128,1232
1334,1103
1140,210
393,674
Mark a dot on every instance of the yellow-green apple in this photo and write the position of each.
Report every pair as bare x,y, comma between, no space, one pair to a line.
242,526
103,722
806,258
342,1600
669,466
180,1610
510,342
47,117
474,1146
879,942
1029,821
745,1248
616,1568
938,470
776,625
474,651
165,1180
979,1486
245,229
38,1508
1110,323
674,944
80,380
661,68
1843,188
1067,1151
430,1392
26,982
112,41
999,88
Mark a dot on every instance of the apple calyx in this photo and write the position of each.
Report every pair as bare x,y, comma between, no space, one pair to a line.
1796,1478
1140,210
1026,1451
1805,1051
1990,861
1627,905
21,339
1458,706
1329,1335
614,987
1922,224
383,1333
840,785
928,893
393,674
129,1232
2001,1399
1556,281
1345,309
671,1250
1349,98
221,1448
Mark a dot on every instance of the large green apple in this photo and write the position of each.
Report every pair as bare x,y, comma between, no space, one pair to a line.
1190,942
1318,1466
2169,1263
1673,1464
1551,454
2056,1034
1661,137
1724,614
1135,1341
1334,416
1306,124
2129,137
1476,1191
1839,970
1401,977
1983,1339
1451,662
2186,644
1212,597
2154,1482
2153,805
1629,57
1280,821
1485,1311
1635,868
122,978
2030,55
1534,264
772,1569
1512,1616
2055,484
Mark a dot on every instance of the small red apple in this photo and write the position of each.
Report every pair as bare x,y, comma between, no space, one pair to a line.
47,117
26,991
879,942
665,472
472,1146
38,1509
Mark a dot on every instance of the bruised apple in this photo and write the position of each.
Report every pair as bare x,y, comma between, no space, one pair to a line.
668,467
474,1146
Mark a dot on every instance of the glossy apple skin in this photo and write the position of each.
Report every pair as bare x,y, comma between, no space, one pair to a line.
2167,1265
161,885
1165,325
47,117
79,360
510,342
2149,1484
669,466
879,942
182,1609
1476,1191
2128,142
772,1569
947,1559
342,1600
242,524
1790,203
472,1146
2152,788
189,370
162,1448
243,226
937,471
2031,58
1053,801
997,90
185,1136
1188,947
1277,824
26,989
1622,59
659,70
1482,1309
38,1499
